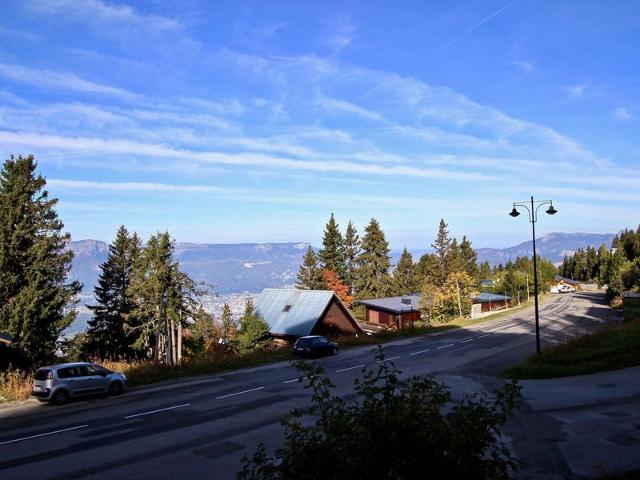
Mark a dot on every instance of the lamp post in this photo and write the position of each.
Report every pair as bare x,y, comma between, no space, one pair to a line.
533,218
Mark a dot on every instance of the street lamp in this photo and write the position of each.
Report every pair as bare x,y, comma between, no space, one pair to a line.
533,218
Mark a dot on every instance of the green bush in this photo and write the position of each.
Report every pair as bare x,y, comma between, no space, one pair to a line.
392,429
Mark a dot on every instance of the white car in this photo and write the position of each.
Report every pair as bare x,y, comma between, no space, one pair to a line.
563,289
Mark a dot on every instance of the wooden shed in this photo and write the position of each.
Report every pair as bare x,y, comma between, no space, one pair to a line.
393,312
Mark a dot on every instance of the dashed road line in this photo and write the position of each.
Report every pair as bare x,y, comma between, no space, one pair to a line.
388,359
467,340
156,411
349,368
43,434
239,393
485,335
297,379
445,346
421,351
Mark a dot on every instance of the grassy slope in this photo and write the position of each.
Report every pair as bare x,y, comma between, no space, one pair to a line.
609,348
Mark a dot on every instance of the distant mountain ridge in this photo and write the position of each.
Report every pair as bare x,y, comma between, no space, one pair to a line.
251,267
226,268
553,246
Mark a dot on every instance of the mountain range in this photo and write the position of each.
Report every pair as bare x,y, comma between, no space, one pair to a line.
250,267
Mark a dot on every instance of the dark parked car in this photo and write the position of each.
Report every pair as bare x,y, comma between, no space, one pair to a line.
314,346
58,383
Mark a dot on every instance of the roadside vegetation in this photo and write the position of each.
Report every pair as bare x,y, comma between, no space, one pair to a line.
391,428
618,267
610,348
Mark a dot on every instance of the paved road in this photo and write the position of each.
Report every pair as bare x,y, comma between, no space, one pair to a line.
201,427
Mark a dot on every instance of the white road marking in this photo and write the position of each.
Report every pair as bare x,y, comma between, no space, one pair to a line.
388,359
421,351
43,434
445,346
294,380
485,335
156,411
466,340
240,393
349,368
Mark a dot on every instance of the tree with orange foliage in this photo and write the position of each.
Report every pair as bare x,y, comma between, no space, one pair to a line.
334,283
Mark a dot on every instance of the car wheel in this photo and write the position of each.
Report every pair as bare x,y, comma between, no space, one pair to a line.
60,397
115,388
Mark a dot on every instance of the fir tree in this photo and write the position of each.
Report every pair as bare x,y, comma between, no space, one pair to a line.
442,247
106,335
164,297
310,274
405,280
351,254
427,269
331,255
373,279
226,322
253,331
35,260
469,259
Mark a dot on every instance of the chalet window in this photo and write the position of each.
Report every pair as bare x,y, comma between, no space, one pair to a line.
286,308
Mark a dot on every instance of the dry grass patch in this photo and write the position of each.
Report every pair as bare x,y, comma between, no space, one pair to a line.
15,384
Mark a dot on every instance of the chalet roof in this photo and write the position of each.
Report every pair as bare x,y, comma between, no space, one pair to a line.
396,305
490,297
560,278
289,311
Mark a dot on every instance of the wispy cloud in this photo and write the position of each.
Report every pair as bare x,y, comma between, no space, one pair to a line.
526,65
97,10
622,113
335,105
60,81
576,91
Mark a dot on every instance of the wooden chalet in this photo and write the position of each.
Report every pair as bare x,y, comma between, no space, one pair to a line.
392,312
292,313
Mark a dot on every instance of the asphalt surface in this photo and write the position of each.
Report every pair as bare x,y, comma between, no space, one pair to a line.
201,427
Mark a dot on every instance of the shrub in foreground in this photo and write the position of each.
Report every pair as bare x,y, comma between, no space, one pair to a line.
392,429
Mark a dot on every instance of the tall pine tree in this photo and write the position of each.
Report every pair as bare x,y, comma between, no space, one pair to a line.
469,259
106,335
405,280
331,255
351,254
35,298
442,247
373,279
310,274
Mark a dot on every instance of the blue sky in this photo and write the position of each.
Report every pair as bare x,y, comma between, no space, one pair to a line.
252,121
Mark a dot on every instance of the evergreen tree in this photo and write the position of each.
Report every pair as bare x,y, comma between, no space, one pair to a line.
164,297
35,260
310,274
253,331
331,255
405,280
484,271
106,335
442,247
469,259
204,332
351,254
603,255
373,279
427,269
226,322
